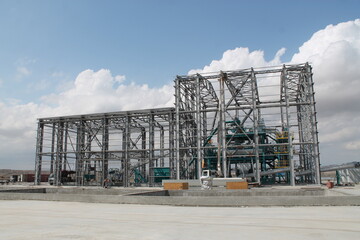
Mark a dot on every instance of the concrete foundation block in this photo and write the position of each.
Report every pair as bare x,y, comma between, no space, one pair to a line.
176,186
237,185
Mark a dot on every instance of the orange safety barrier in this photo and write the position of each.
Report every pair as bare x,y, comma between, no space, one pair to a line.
237,185
176,186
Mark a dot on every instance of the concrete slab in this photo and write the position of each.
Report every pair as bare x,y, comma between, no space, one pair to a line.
349,191
216,197
65,220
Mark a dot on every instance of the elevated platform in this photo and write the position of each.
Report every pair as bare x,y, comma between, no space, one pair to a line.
281,196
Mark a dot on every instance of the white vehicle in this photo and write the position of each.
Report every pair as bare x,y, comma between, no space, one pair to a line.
51,179
207,179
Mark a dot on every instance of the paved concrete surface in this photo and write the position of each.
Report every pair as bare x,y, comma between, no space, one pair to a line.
232,201
348,191
279,196
65,220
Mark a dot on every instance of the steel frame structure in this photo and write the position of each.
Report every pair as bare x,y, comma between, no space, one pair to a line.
265,105
211,111
93,144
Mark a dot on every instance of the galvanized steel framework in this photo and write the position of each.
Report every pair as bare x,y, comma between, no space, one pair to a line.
251,122
134,142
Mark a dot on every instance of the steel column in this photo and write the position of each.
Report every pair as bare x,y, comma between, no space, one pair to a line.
151,149
222,126
105,148
255,125
177,123
39,150
288,126
314,132
59,153
198,129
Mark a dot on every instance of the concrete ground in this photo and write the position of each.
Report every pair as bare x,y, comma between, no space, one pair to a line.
72,220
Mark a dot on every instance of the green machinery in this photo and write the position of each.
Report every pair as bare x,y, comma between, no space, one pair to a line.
160,173
273,150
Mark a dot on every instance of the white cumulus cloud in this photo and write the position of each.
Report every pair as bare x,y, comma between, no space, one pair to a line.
100,91
240,58
120,78
91,92
334,53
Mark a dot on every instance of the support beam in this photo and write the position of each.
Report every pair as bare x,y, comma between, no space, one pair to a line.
65,145
222,120
52,160
162,146
177,123
143,152
39,151
59,153
288,126
172,146
198,130
80,154
126,144
255,125
151,150
314,132
105,148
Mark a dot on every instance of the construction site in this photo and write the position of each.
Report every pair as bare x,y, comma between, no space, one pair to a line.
259,124
250,129
234,139
179,120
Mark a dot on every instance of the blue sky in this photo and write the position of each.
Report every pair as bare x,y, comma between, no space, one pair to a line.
148,41
47,46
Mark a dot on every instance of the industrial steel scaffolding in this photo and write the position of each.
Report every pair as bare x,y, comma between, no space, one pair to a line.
124,147
254,123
